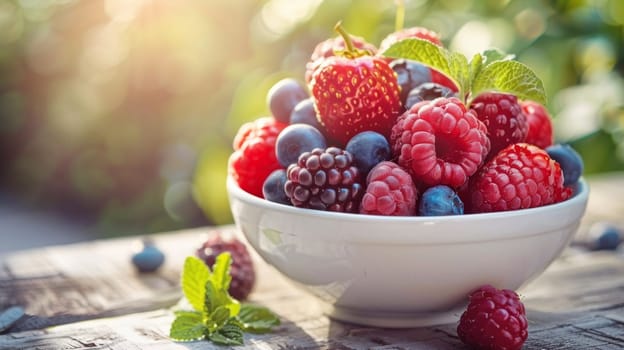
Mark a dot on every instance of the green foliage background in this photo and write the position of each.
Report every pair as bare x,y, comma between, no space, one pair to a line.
121,113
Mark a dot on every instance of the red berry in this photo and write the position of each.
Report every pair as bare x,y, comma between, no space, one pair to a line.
329,47
540,131
520,176
355,95
407,33
440,142
324,179
439,78
390,191
494,320
241,270
254,154
503,117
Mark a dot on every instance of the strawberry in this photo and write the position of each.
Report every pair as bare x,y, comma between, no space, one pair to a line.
354,93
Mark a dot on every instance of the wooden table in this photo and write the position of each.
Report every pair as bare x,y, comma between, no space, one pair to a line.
94,299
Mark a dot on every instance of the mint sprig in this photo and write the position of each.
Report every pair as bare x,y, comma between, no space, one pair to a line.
216,316
491,70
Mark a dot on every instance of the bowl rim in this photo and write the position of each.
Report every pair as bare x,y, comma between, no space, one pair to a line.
580,197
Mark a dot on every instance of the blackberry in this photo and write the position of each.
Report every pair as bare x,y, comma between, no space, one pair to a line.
241,270
427,92
325,179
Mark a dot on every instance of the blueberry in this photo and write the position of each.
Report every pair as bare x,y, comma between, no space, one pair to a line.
410,74
440,200
296,139
283,97
604,236
570,161
304,113
149,259
9,316
368,148
273,187
427,92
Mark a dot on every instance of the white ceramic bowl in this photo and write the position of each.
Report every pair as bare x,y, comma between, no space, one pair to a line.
404,271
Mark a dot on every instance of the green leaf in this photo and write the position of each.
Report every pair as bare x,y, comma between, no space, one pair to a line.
475,66
221,271
459,70
216,297
188,327
494,55
257,319
511,77
422,51
220,316
194,277
230,334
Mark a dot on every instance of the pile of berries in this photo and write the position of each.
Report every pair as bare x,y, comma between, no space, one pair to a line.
380,135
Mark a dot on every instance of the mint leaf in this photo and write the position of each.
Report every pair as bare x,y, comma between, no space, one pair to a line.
493,55
257,319
221,271
512,77
475,65
216,297
229,334
422,51
220,316
194,277
188,327
459,70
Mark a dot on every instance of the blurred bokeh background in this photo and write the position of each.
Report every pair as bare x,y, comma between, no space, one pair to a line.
118,115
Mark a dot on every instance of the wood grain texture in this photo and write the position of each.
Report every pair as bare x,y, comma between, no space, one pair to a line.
99,302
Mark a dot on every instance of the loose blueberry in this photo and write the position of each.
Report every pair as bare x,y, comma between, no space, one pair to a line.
296,139
283,97
427,92
410,74
149,259
604,236
440,200
570,161
273,187
368,148
304,113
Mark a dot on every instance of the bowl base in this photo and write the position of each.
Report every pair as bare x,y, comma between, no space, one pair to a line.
393,319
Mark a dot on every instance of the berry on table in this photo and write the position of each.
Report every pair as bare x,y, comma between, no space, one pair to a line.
354,94
149,259
440,142
570,161
540,132
241,270
283,97
520,176
440,200
604,236
494,319
390,191
427,92
503,117
368,148
410,74
324,179
273,187
254,154
304,113
296,139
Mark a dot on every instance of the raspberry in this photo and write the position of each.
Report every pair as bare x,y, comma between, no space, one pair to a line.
390,191
540,130
254,154
520,176
329,47
355,95
503,117
495,319
241,270
440,142
407,33
324,180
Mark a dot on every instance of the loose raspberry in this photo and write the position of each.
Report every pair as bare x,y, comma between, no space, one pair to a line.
494,320
390,191
540,131
407,33
254,154
503,117
241,270
520,176
324,180
440,142
329,47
